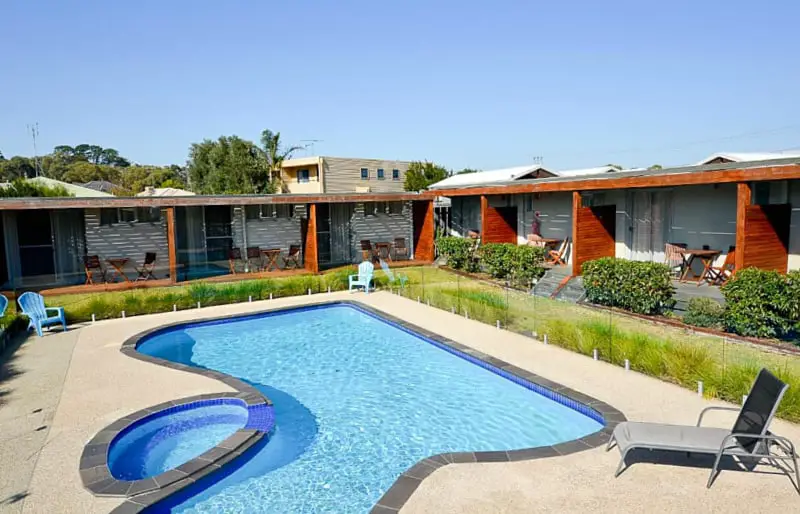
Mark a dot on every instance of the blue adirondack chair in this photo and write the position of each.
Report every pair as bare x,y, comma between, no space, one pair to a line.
3,305
32,305
400,278
364,277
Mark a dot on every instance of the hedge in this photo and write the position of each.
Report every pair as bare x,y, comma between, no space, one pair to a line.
460,252
507,260
640,287
760,303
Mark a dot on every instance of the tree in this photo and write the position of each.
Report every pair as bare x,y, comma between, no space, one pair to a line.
422,174
229,165
467,170
81,172
17,167
655,167
2,157
617,166
21,188
274,153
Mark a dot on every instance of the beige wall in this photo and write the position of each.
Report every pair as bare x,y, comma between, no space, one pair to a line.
314,184
342,175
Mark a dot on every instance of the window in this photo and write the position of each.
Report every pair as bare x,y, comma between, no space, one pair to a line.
364,174
109,216
375,208
284,211
253,212
148,214
761,193
302,176
395,207
380,174
127,214
395,174
529,203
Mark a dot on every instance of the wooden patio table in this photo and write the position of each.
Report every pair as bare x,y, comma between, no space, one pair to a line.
119,265
271,255
384,250
688,256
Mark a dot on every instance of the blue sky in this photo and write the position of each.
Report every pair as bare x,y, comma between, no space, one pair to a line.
466,84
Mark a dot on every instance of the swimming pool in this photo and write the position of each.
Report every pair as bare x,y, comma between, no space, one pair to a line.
357,402
164,441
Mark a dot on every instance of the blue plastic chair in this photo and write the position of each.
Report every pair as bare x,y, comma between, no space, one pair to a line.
3,305
32,305
400,278
364,277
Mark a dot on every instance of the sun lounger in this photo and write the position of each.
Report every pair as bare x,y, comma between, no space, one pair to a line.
749,438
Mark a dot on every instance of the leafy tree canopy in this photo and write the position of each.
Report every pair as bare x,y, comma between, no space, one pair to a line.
21,188
422,174
617,166
229,165
656,167
467,170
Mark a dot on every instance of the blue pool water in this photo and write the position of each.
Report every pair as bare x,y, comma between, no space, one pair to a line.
357,402
164,442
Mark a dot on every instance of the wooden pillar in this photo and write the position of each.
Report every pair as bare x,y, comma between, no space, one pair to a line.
173,252
577,203
424,230
484,216
310,253
743,200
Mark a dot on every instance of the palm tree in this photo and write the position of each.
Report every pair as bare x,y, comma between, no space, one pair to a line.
274,153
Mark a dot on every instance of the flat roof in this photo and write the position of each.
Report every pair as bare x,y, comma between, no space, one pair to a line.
775,169
200,200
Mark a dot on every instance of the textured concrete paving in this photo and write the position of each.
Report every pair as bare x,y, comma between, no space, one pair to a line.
103,385
31,379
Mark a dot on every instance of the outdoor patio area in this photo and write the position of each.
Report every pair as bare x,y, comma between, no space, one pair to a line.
60,390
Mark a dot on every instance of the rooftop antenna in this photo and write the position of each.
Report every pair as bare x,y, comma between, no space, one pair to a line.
309,145
538,160
34,130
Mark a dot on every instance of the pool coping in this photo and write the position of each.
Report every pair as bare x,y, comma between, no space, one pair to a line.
97,478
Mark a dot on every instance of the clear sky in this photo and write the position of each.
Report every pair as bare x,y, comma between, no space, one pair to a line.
467,84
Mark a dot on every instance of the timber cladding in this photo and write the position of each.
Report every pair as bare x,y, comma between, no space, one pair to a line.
499,225
765,238
309,231
594,234
422,213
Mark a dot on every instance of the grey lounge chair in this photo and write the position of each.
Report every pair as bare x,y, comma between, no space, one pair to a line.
748,439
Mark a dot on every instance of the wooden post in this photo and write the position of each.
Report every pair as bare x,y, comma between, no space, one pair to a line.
310,254
576,205
484,216
173,253
743,201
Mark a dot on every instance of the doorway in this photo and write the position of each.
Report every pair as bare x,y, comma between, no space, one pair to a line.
648,225
219,232
36,249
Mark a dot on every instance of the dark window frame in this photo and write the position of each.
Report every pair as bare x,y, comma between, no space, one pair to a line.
364,173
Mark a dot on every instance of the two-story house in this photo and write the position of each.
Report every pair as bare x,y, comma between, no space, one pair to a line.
311,175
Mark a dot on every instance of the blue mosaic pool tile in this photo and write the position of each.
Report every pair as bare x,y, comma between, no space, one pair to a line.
261,417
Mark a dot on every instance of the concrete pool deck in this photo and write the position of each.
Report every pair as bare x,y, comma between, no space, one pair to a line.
101,385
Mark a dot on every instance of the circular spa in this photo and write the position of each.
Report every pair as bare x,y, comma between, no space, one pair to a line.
166,439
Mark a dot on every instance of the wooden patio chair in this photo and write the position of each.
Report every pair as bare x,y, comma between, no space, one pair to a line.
92,265
254,262
147,268
234,255
718,275
367,251
556,257
673,257
400,248
292,259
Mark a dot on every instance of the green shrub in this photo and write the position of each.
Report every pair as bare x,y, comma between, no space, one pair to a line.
761,303
704,312
521,263
640,287
460,252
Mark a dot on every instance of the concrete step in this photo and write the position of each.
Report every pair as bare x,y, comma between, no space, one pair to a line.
572,292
